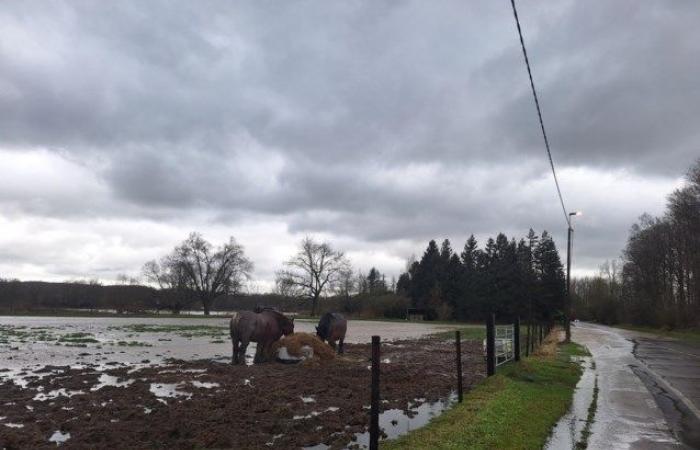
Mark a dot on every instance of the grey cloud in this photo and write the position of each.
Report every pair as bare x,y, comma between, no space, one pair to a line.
171,104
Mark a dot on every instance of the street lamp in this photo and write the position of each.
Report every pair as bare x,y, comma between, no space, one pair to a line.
568,275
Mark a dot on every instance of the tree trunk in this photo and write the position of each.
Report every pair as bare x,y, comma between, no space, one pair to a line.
206,304
314,305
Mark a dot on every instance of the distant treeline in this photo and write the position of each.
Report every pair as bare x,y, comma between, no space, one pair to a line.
657,282
37,296
507,277
21,296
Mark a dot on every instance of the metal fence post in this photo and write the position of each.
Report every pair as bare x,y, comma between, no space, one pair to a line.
458,344
374,408
491,345
516,338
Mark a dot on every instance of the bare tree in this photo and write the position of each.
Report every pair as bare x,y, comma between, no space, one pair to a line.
310,273
346,283
205,272
174,292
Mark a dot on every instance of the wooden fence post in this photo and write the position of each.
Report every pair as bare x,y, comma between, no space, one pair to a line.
458,344
491,345
516,338
374,408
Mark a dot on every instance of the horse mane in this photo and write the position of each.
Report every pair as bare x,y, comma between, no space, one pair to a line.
324,324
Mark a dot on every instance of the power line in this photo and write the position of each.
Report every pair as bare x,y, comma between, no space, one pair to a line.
539,113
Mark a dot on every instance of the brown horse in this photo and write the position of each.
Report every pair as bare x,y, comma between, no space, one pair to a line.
331,328
263,327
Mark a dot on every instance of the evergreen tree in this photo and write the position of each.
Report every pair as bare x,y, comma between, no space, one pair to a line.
376,285
468,303
452,285
403,286
425,276
550,277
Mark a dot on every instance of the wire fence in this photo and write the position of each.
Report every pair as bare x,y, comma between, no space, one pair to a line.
502,345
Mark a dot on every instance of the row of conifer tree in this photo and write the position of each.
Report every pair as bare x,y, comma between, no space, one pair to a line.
506,277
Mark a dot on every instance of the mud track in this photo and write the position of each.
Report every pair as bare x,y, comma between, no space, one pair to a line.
209,404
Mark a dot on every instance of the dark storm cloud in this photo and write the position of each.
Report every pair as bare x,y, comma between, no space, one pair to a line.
376,120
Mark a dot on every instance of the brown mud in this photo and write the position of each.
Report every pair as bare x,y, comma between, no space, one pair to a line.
209,404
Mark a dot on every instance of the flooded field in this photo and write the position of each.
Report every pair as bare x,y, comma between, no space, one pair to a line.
35,341
167,383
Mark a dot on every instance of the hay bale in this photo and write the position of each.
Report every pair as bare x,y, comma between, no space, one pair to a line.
294,343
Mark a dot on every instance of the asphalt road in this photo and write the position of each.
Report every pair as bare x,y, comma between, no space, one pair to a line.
649,394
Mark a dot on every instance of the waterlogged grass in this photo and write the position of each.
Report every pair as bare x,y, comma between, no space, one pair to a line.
78,338
133,344
515,409
590,418
683,334
576,350
22,334
187,331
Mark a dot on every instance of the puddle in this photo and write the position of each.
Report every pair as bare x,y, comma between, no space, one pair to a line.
205,385
168,390
110,380
395,422
41,397
274,438
316,413
567,432
308,399
59,438
182,371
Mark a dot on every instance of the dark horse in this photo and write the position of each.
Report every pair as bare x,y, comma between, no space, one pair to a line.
331,328
264,326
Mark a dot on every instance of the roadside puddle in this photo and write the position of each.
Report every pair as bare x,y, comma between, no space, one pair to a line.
569,431
397,422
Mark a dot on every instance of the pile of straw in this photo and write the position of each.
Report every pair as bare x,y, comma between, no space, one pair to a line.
294,342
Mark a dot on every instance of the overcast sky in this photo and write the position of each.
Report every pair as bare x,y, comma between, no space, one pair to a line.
375,125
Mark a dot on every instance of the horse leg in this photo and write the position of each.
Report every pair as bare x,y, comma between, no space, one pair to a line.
331,342
234,358
340,346
265,352
242,350
258,353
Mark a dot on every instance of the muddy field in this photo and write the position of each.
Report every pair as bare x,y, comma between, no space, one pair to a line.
207,403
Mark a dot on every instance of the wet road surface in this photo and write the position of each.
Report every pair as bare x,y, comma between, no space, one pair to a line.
649,389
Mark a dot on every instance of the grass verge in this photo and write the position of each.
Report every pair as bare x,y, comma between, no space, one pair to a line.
467,333
683,334
515,409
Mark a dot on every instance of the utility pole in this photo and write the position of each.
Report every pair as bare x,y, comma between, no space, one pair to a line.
569,247
568,284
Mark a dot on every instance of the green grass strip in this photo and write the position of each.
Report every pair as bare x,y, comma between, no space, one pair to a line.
515,409
683,334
